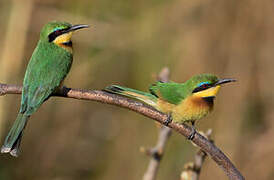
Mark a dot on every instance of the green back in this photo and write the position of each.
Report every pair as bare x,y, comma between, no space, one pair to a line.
47,68
171,92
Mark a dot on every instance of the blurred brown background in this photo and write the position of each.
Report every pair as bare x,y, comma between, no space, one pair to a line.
128,44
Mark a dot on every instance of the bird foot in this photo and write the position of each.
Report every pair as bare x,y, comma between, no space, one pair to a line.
192,134
168,120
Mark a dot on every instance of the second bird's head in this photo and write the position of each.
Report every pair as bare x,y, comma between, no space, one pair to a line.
59,33
206,86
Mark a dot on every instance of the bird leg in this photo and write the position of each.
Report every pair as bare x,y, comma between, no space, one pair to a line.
193,131
168,120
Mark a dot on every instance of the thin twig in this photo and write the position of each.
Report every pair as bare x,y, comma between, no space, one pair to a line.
157,152
104,97
193,169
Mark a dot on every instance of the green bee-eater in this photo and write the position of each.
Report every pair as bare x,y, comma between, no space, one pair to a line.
47,68
183,102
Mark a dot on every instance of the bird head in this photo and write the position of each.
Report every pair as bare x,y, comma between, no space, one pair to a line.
206,86
59,33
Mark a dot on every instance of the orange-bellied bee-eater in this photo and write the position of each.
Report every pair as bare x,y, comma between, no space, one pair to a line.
47,68
183,102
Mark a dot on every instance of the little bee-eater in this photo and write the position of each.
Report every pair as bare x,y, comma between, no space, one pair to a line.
47,68
183,102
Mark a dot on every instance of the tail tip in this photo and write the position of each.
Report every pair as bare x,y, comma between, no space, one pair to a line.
114,88
5,149
13,152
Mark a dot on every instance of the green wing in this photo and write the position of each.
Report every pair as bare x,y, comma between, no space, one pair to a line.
46,70
170,92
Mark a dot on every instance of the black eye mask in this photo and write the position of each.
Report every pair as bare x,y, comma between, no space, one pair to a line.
202,87
52,36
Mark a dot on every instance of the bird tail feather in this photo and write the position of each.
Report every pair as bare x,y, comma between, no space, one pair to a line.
132,93
13,139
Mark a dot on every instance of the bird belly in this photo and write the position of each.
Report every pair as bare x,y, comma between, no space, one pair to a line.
191,109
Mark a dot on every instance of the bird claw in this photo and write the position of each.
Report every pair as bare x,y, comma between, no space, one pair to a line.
15,152
168,120
192,134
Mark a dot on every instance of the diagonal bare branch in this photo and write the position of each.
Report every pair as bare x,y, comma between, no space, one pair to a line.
104,97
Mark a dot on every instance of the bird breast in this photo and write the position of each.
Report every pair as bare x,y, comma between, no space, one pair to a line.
190,109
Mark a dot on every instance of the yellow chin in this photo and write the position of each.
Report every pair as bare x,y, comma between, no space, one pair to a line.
63,38
208,92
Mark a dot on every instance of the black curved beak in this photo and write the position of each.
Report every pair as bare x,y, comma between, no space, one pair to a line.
77,26
223,81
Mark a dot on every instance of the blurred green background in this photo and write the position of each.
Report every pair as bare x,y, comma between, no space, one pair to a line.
128,43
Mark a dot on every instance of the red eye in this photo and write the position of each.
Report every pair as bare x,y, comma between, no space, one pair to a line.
57,32
204,85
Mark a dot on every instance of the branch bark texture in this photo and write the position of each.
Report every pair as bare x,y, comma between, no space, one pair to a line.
104,97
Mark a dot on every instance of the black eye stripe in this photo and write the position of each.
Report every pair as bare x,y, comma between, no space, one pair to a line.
57,33
51,36
202,87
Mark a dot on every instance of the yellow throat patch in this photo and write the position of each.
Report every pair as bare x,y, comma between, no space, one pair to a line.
208,92
64,38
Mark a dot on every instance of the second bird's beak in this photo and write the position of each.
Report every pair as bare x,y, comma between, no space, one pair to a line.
223,81
77,26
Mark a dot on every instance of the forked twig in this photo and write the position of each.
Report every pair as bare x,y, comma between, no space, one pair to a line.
156,153
192,170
